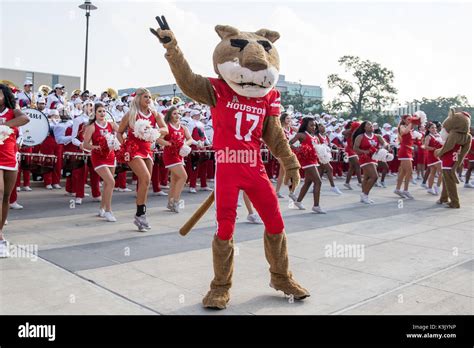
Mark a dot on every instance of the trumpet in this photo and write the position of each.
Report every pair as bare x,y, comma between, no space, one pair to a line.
113,94
175,100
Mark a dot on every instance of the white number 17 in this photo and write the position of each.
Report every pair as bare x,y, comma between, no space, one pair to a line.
238,125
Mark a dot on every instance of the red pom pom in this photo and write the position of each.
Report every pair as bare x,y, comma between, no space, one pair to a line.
127,152
176,143
104,147
306,153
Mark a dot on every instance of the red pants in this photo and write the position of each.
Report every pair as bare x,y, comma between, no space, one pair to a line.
200,171
164,173
155,177
230,179
79,177
26,173
54,177
210,169
121,181
336,168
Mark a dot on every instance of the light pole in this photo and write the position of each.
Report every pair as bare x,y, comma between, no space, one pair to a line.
174,90
88,7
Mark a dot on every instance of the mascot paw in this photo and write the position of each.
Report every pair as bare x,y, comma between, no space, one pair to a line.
289,286
292,178
452,205
216,299
164,33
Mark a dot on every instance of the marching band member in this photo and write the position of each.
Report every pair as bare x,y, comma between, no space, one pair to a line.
366,143
141,160
177,137
25,97
197,162
103,161
337,141
12,118
405,156
354,166
290,132
470,159
62,135
49,147
56,100
309,163
326,167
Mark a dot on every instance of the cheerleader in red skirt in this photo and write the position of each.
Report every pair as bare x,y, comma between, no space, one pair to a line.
290,132
366,143
432,142
138,151
326,167
308,159
176,146
10,119
353,158
405,156
99,138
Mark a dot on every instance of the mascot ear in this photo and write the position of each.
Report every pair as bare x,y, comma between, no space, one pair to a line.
272,36
224,31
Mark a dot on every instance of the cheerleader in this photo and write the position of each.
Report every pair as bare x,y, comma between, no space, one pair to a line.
354,166
290,132
470,158
366,143
326,167
176,143
420,154
405,156
138,152
382,166
13,118
103,160
308,160
432,142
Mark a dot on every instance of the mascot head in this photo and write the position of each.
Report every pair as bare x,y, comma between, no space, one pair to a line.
457,121
248,62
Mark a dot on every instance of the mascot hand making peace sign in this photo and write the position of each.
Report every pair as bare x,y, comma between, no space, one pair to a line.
245,106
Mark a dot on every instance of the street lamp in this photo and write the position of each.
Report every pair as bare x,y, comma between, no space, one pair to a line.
174,90
88,7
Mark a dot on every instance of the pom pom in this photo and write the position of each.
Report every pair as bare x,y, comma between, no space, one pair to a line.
422,116
324,153
444,135
184,151
306,153
417,135
144,131
112,142
382,155
126,152
5,132
390,157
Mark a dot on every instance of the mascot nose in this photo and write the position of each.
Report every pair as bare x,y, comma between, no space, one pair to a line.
254,58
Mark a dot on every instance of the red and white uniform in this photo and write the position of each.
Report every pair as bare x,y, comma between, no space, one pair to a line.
324,139
368,144
24,99
238,125
437,143
8,150
99,160
405,152
289,133
170,157
349,149
309,141
54,101
470,154
450,158
143,147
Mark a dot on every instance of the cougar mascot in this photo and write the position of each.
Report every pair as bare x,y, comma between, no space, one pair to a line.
245,107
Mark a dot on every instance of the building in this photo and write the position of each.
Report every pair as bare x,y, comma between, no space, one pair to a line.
18,77
309,92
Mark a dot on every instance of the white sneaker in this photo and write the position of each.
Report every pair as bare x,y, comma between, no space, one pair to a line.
377,184
300,205
211,180
279,195
318,210
86,195
165,186
78,201
293,196
424,186
109,216
126,189
100,183
4,249
192,190
436,189
206,188
468,185
69,194
336,190
116,189
142,223
97,199
101,213
413,181
16,206
87,186
400,193
273,180
254,219
160,193
48,187
18,189
382,183
57,186
134,182
431,191
408,195
364,198
26,188
348,186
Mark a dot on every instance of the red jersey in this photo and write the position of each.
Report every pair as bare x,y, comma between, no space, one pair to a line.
450,158
238,120
470,154
97,158
436,142
171,155
405,152
142,147
368,143
324,139
8,150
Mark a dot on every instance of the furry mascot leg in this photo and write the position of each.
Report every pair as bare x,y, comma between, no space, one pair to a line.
451,187
277,256
223,259
444,190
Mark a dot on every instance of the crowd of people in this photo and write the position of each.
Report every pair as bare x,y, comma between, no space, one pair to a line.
168,143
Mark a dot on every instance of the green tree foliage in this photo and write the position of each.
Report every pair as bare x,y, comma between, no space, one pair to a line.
437,109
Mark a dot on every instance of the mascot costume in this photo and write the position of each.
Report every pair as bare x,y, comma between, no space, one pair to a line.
245,107
457,144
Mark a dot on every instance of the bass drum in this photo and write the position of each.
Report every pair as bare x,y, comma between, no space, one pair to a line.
35,131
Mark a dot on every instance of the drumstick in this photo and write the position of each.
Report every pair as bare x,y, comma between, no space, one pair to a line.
198,214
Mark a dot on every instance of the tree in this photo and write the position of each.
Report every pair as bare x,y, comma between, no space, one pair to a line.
300,101
437,109
369,87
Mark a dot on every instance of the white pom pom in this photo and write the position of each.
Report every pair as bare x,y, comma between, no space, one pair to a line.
143,130
324,153
380,155
416,135
184,151
389,157
422,116
444,135
112,142
345,158
5,132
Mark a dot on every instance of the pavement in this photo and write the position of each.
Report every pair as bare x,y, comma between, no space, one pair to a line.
392,257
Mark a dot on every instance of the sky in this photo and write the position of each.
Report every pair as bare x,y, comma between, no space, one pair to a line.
428,44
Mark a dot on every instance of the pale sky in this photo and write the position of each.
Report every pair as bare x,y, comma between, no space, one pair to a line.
428,45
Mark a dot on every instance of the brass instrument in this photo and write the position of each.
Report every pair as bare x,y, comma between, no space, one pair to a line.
175,100
44,90
113,94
